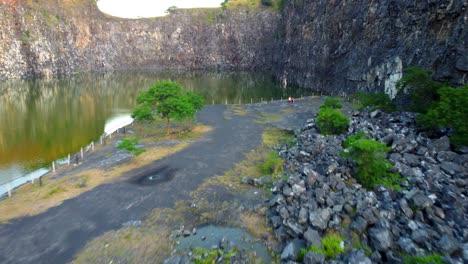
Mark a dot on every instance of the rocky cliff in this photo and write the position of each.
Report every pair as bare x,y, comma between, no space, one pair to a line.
339,46
59,38
332,46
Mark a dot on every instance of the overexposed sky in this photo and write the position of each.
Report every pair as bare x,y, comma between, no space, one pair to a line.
149,8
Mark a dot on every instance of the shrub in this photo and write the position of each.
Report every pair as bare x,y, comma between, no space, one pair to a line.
421,89
375,101
450,112
129,144
331,121
332,102
372,166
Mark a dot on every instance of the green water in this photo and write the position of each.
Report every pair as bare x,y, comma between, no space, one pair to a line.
44,120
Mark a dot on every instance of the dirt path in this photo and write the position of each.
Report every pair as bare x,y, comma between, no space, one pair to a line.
58,234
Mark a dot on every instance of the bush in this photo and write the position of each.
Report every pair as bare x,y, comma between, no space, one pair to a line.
129,144
372,166
421,89
375,101
331,121
332,102
450,112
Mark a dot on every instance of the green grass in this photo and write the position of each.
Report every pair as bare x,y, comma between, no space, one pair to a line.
429,259
273,164
331,247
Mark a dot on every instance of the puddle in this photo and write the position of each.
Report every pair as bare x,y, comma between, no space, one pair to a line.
213,234
160,175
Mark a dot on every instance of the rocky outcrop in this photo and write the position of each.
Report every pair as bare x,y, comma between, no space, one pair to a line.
342,46
319,195
336,47
65,37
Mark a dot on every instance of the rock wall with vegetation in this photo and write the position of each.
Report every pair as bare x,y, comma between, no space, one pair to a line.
343,46
59,38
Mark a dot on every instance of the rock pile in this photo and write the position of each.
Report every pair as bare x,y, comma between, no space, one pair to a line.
429,215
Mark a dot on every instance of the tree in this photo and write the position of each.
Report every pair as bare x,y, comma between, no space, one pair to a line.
167,100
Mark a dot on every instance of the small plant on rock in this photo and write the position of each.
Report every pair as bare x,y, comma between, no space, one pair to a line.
331,121
429,259
370,156
332,246
129,144
273,164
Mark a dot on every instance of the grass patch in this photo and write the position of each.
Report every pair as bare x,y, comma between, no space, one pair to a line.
429,259
331,247
272,164
264,118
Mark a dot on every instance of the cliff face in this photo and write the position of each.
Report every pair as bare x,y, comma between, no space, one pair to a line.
343,46
336,46
62,38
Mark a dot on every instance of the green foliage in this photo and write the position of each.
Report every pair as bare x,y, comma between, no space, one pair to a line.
451,111
207,256
27,33
332,102
375,101
422,90
273,164
373,168
331,247
429,259
129,144
331,121
167,100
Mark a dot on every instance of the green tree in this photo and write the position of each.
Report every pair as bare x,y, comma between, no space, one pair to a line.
370,156
331,121
421,89
450,112
167,100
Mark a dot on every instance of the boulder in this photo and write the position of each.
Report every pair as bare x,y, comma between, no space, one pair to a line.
313,258
381,239
292,249
312,238
320,218
356,256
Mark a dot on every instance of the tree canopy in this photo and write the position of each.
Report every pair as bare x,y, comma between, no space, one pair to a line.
167,100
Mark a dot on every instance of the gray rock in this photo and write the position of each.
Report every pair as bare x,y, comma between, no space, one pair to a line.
303,216
446,156
421,201
177,259
393,258
276,221
375,114
356,256
283,212
313,258
359,225
312,238
420,236
411,159
298,189
409,247
381,239
451,168
287,191
441,144
277,199
320,218
291,250
449,244
294,227
465,252
247,180
406,209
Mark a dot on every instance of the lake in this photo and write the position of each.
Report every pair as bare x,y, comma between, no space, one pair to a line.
45,120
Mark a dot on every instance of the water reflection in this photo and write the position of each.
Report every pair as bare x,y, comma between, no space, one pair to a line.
43,120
